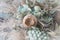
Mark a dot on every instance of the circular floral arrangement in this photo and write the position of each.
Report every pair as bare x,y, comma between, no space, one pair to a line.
37,13
31,18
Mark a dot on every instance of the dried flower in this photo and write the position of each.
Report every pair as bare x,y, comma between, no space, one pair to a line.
37,8
29,20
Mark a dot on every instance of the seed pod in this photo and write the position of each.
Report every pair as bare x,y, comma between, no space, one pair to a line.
29,20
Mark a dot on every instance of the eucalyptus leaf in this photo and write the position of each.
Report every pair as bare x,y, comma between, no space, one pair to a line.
19,8
23,8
